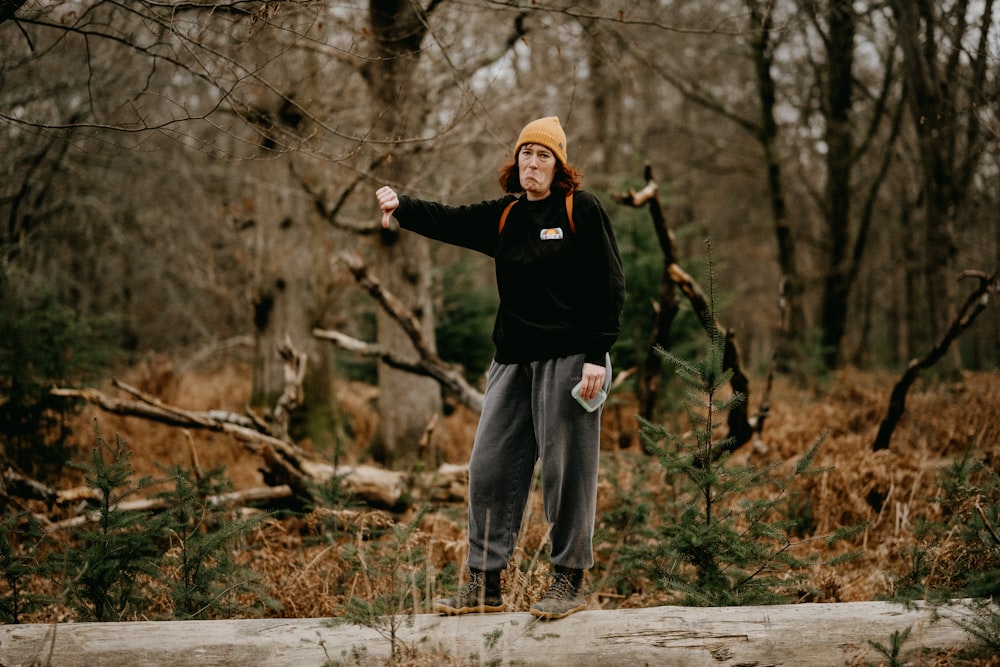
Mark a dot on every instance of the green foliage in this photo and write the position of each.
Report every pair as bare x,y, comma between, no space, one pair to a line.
465,320
44,344
184,554
331,494
893,650
106,567
643,263
642,259
724,549
21,559
983,623
728,539
958,556
202,578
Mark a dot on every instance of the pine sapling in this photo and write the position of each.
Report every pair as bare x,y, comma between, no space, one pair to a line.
111,562
21,560
726,541
203,579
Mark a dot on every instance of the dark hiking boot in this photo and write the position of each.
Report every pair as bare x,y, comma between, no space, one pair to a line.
480,595
564,597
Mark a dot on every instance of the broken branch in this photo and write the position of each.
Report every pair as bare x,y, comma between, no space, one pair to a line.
974,304
429,363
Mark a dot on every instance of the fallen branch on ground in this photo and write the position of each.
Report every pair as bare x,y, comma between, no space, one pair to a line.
287,465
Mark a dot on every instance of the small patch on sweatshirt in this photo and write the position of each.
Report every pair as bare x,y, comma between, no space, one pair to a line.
551,234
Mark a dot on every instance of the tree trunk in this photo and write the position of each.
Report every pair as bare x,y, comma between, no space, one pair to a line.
406,402
947,87
839,191
608,95
292,270
790,346
805,635
289,283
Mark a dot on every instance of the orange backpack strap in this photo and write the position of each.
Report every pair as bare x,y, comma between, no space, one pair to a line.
503,216
569,213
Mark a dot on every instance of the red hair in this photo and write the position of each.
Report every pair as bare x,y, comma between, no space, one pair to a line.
565,180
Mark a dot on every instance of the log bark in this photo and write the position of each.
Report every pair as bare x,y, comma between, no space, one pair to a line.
244,498
804,635
376,487
149,407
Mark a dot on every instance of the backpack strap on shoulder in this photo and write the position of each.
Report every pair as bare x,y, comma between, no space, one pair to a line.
503,216
569,213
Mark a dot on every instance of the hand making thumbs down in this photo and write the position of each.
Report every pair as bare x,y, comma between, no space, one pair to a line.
388,201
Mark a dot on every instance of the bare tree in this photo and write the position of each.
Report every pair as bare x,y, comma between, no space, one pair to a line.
852,118
407,402
762,48
947,59
263,100
191,166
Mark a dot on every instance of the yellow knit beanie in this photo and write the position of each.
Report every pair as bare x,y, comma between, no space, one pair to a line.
547,132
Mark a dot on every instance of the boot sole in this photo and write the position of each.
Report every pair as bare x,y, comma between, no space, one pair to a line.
458,611
555,616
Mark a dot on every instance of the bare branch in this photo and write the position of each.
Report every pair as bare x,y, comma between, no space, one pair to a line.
9,7
218,421
674,277
429,363
974,304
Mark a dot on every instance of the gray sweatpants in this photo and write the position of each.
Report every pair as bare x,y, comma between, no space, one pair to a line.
528,414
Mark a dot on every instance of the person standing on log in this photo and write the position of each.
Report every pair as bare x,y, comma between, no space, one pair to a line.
562,289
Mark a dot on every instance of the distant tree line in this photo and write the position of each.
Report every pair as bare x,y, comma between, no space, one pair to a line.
189,170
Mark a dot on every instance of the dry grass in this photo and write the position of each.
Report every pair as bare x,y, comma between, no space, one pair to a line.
301,559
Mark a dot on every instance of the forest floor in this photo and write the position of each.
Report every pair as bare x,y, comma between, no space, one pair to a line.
891,491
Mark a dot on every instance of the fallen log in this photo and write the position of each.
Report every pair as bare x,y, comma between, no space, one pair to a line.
239,427
288,465
804,635
244,498
376,487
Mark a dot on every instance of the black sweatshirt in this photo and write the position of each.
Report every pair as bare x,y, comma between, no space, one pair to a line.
561,292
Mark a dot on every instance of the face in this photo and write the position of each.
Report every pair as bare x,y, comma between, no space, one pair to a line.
536,167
